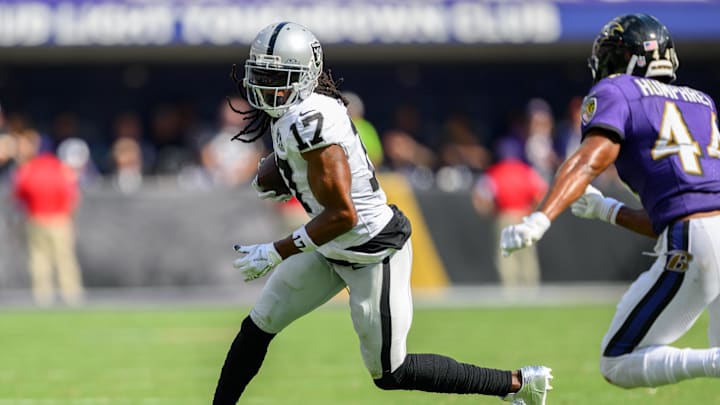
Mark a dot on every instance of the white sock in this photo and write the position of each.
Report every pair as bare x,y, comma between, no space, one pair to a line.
660,365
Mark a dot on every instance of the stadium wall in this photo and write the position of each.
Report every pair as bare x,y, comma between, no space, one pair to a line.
170,237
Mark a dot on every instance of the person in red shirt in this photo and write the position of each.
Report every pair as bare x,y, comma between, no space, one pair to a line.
511,189
48,191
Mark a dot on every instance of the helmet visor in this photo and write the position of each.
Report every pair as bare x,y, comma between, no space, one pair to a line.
271,77
271,87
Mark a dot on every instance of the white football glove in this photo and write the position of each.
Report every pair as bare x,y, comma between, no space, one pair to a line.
258,260
516,237
268,194
594,205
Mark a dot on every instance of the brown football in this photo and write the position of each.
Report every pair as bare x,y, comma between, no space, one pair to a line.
269,177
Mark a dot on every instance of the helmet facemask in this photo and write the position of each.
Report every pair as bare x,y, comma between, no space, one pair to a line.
661,67
271,87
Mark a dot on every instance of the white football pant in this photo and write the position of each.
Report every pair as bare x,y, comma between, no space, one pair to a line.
662,305
380,301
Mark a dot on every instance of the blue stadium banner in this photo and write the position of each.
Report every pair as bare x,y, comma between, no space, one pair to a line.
34,23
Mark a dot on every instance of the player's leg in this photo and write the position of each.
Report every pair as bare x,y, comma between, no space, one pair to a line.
381,308
40,263
712,226
714,322
661,306
68,269
509,268
297,286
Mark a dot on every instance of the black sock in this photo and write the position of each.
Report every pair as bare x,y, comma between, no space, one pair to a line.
243,361
436,373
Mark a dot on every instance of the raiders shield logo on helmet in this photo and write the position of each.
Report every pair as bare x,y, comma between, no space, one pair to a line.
317,52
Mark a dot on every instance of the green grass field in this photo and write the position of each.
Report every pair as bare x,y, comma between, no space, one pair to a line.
172,356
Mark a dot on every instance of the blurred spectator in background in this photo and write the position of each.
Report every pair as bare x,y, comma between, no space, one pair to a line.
366,130
10,126
512,142
128,124
569,135
127,165
48,191
78,132
75,153
462,155
460,145
8,232
3,122
539,145
225,162
7,152
169,138
404,153
65,125
7,158
511,189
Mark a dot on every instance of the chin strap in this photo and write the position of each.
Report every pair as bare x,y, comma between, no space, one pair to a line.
631,64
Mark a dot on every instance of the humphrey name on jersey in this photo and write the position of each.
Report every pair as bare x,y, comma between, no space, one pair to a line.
650,87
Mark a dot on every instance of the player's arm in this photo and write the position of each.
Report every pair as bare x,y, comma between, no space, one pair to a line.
594,205
636,220
598,150
330,180
596,153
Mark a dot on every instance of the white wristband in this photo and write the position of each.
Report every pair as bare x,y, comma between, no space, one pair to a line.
302,240
608,209
540,221
614,209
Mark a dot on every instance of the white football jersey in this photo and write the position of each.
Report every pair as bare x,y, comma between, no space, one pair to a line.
316,122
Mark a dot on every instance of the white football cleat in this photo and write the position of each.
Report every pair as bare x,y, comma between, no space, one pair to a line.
535,385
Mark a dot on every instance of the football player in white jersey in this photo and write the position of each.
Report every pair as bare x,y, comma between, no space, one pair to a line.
354,240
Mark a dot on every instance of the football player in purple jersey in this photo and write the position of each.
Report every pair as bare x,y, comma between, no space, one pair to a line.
665,143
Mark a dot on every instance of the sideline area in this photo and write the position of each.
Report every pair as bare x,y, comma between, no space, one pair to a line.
565,294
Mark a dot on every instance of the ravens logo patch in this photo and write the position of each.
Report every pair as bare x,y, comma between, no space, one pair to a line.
588,108
678,260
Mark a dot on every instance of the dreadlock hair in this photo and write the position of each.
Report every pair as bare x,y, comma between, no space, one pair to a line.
327,86
260,122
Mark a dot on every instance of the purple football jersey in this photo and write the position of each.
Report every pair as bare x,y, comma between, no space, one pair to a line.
670,144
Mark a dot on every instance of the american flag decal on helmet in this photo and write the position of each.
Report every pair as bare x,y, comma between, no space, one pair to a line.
650,45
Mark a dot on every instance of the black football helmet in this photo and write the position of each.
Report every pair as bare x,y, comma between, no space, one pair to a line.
635,44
